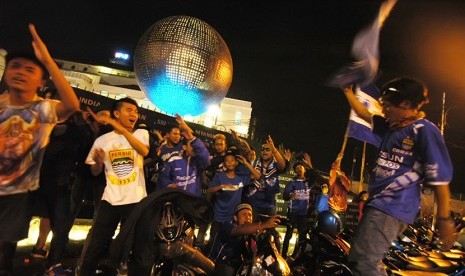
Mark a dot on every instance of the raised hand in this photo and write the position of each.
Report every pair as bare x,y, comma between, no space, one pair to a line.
40,50
307,160
270,142
287,154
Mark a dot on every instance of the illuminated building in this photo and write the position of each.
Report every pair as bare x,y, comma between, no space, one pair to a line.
116,83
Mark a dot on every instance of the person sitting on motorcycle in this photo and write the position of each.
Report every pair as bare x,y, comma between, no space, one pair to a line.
236,243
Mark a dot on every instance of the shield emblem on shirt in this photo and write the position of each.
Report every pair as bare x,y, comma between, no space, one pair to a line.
122,161
407,143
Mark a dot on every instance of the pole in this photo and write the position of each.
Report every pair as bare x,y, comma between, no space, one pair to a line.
344,143
443,113
443,121
354,161
362,168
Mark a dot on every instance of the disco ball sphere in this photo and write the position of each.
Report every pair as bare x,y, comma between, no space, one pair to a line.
183,65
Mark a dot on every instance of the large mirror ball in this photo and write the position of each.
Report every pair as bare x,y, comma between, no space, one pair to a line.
183,65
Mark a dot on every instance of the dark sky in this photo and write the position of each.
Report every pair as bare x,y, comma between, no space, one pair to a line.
283,52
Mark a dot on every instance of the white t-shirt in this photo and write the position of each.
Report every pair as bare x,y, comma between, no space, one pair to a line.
124,170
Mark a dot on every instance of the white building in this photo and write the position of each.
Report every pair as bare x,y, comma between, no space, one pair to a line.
115,83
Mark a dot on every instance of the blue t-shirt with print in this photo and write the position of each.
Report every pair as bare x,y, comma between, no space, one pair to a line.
227,200
298,206
407,157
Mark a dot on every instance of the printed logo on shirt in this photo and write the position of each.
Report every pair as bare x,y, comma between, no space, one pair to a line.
122,181
407,143
16,141
122,161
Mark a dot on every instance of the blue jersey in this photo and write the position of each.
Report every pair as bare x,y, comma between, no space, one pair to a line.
166,153
407,157
262,193
321,203
184,171
225,200
298,206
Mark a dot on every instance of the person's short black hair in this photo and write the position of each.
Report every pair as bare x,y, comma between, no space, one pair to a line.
29,56
403,89
117,104
169,127
296,164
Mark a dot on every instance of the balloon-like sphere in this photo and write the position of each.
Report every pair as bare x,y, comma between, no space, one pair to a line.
183,65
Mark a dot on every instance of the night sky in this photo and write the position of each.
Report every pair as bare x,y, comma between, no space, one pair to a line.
283,53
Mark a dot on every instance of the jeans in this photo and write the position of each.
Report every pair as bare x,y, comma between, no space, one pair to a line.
61,219
101,234
373,237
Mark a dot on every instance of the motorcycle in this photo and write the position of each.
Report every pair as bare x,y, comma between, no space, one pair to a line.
325,250
418,250
158,236
267,261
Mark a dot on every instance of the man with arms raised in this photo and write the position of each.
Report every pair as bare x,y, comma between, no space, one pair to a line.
26,121
412,152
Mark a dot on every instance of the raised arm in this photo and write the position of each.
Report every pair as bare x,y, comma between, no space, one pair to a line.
252,228
185,129
335,170
242,144
255,175
138,145
277,155
357,106
69,103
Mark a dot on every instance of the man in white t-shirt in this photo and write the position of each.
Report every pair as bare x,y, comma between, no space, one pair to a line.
121,154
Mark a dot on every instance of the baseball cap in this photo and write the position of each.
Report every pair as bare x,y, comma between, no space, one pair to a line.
232,151
242,206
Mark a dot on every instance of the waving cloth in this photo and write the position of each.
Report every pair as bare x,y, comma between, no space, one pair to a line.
365,50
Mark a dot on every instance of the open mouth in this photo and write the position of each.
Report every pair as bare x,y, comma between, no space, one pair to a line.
19,80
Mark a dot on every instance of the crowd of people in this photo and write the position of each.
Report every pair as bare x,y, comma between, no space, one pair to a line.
52,153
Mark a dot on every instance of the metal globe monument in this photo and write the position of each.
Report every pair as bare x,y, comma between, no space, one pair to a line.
183,65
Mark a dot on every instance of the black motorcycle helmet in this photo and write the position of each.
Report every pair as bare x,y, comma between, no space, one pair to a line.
328,223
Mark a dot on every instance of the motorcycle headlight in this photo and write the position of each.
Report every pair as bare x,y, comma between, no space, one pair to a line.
171,222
